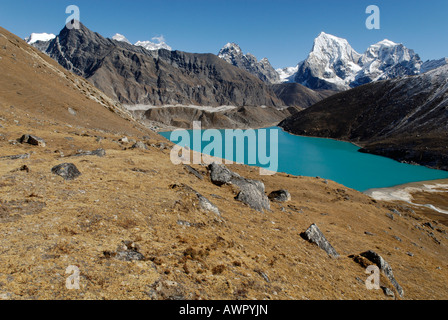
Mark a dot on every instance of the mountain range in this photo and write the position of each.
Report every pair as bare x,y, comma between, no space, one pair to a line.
405,119
333,64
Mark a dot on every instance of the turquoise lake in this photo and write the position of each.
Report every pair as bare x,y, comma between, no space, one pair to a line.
330,159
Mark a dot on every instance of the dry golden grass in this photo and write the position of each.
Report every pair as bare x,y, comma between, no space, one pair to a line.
48,224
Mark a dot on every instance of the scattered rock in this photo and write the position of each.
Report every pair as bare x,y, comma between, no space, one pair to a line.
220,174
388,292
280,195
410,254
397,238
384,267
390,216
204,203
194,172
97,152
16,157
68,171
71,111
314,235
139,145
126,251
368,233
251,191
124,140
429,225
33,140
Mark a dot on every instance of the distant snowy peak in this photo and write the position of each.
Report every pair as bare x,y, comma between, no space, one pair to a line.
287,74
148,45
333,64
262,69
332,48
44,37
121,38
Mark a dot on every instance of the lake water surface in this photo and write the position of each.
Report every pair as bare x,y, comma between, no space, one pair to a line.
337,161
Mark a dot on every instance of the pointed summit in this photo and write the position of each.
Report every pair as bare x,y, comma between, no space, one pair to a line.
121,38
262,69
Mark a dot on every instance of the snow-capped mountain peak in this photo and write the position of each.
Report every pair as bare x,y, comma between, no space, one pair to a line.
121,38
158,44
35,37
263,69
333,64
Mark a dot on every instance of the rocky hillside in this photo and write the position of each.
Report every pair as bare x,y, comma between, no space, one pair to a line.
405,119
133,75
297,95
77,194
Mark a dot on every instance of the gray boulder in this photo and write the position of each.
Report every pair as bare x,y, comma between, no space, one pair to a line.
280,195
252,192
384,267
139,145
314,235
68,171
33,140
97,152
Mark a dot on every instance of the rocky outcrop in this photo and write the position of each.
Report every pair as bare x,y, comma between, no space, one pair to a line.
385,268
33,140
314,235
280,195
252,192
68,171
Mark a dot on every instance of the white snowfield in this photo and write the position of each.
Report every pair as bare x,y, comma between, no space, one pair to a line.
34,37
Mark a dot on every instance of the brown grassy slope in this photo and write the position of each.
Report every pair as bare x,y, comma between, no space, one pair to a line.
48,224
33,83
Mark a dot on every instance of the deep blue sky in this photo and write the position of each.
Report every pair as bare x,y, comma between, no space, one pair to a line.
281,30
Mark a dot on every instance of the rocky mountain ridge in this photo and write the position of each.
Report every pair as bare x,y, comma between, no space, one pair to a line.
405,119
333,64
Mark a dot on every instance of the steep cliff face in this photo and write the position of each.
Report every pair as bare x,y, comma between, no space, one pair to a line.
405,119
134,75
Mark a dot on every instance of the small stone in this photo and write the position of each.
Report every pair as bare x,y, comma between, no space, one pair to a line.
139,145
194,172
368,233
388,292
410,254
280,195
97,152
390,216
68,171
33,140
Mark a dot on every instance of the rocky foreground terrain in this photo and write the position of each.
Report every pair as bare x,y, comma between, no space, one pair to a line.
82,184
